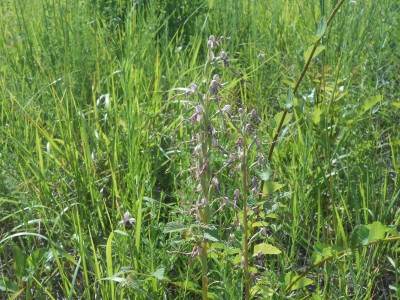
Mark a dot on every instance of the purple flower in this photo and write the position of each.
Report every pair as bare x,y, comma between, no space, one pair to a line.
214,85
127,221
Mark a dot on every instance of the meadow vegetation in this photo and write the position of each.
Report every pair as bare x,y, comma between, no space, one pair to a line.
199,149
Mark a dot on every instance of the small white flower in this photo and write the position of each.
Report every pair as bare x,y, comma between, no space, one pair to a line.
127,221
227,108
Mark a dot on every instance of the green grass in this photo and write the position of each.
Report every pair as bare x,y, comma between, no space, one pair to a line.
94,123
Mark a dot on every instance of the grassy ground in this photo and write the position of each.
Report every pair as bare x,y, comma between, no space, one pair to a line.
121,179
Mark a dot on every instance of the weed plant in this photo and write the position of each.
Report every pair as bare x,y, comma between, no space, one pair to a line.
214,149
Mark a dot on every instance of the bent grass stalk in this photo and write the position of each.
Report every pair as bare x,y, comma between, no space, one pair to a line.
314,48
298,82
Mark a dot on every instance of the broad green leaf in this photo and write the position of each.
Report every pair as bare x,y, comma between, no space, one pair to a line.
321,252
109,255
252,200
20,262
290,98
316,257
272,216
278,117
264,175
270,187
316,115
175,227
259,224
365,234
326,252
233,251
392,229
159,274
289,83
7,285
289,277
213,296
254,270
37,256
238,259
396,104
214,255
370,102
266,249
317,51
303,282
218,246
319,247
321,29
360,236
188,285
209,237
376,231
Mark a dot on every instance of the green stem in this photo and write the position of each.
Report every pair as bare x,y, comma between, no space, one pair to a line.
205,178
245,221
204,270
299,80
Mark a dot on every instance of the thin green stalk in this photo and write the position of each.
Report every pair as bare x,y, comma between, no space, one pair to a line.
299,80
245,221
204,162
204,270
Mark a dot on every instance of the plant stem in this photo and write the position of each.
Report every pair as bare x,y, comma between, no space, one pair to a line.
245,221
278,131
204,270
303,72
205,178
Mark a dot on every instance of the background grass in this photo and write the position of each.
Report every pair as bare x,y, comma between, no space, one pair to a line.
90,127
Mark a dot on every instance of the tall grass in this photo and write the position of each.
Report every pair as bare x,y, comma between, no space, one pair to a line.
93,125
